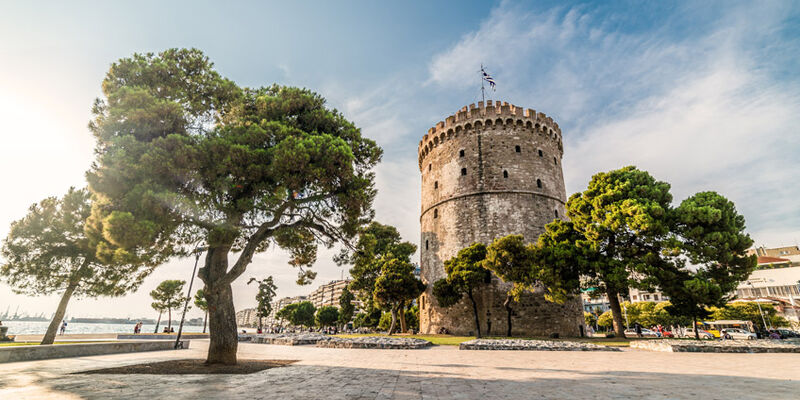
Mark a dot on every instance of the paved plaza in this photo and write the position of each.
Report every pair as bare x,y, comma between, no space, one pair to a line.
439,372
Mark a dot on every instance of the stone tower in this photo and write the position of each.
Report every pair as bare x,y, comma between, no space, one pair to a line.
489,171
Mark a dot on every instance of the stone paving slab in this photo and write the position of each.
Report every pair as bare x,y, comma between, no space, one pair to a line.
717,346
374,342
536,345
441,372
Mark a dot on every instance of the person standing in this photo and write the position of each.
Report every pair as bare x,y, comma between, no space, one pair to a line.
63,327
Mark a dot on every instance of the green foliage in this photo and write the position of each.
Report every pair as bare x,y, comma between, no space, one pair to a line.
412,318
185,156
589,318
465,275
327,316
559,258
285,313
605,320
465,271
304,314
446,294
168,295
385,322
367,320
49,250
346,307
511,261
376,243
748,311
621,217
623,232
709,233
301,313
648,313
396,284
266,292
200,300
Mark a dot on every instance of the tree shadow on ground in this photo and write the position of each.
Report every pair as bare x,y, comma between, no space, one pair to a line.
331,382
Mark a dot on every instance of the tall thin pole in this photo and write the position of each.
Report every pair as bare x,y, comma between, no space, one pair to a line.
759,305
483,90
197,252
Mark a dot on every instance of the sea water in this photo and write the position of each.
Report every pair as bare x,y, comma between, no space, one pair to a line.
39,327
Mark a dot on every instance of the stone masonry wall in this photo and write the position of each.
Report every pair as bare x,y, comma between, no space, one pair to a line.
486,173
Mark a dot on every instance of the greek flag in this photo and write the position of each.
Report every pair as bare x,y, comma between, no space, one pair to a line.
488,78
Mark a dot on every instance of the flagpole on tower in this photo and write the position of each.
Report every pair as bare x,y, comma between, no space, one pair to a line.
483,90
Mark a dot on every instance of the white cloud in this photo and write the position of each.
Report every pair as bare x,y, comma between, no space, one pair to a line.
699,110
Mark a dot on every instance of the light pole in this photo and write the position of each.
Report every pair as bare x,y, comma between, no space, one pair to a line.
197,251
763,320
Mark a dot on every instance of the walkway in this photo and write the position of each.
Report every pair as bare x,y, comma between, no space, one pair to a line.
442,372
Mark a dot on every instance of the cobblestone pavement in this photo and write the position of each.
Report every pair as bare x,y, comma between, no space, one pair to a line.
440,372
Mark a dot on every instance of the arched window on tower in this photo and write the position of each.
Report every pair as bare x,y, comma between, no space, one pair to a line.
463,171
556,213
540,153
436,184
518,149
505,174
435,213
539,183
429,166
461,153
426,245
555,161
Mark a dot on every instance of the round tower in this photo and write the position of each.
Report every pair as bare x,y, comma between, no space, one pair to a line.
489,171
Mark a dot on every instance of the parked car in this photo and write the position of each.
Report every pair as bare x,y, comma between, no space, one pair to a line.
787,334
689,333
645,333
737,333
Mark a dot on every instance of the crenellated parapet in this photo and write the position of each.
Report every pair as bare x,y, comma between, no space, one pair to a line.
484,116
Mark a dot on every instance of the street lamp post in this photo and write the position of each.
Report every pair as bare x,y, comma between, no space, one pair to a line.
763,320
197,251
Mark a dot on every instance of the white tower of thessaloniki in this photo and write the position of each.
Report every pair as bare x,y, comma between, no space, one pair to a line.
489,171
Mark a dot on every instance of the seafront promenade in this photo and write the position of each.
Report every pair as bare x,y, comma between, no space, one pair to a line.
438,372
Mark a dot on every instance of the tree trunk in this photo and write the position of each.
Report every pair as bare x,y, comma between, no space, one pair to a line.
475,313
403,319
694,327
159,320
205,321
394,319
616,313
224,339
507,305
52,329
169,321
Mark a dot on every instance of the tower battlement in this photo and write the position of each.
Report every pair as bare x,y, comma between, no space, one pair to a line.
480,115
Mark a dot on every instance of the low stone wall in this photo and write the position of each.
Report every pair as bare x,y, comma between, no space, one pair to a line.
161,336
374,342
39,352
717,346
287,339
540,345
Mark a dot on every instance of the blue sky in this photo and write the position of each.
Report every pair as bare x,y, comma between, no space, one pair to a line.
704,96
